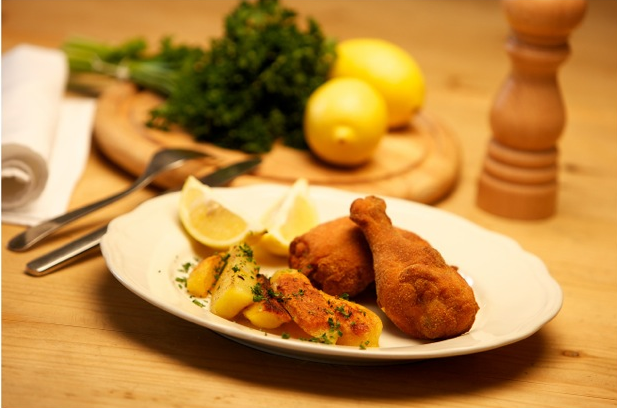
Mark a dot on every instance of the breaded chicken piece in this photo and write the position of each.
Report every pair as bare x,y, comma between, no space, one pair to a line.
328,319
422,295
335,256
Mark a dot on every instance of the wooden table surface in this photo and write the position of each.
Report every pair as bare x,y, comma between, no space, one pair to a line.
78,338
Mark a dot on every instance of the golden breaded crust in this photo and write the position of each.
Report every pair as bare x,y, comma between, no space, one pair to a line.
422,295
335,256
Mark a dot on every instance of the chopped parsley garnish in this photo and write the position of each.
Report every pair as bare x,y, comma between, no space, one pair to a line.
258,293
186,267
343,312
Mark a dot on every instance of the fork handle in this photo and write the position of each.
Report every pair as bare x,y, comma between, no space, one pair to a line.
32,235
56,259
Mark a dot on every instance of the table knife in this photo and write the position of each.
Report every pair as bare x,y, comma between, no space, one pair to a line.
58,258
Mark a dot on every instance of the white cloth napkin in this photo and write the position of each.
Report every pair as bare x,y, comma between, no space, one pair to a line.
45,135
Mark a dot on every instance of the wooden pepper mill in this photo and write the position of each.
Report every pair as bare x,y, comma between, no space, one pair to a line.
519,177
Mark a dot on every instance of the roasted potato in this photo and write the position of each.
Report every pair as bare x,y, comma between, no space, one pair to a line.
266,312
328,319
204,275
233,290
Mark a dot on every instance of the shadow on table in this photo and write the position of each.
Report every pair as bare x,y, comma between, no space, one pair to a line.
196,346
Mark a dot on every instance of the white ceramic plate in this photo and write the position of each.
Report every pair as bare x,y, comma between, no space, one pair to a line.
145,248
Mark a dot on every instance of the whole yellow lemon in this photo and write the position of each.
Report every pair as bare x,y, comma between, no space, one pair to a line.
389,69
344,121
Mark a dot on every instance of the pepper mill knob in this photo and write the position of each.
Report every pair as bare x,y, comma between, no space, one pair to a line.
519,176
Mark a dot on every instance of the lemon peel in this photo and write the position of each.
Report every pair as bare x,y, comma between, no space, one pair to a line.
344,121
390,69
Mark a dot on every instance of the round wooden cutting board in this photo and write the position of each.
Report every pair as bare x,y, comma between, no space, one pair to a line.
419,163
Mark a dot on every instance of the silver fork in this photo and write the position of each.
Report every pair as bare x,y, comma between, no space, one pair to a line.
59,257
163,160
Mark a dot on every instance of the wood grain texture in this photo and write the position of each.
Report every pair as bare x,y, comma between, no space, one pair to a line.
79,339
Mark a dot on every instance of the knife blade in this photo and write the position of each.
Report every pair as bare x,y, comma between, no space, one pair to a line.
59,257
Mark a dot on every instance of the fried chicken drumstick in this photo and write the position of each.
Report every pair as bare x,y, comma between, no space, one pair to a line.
423,296
335,256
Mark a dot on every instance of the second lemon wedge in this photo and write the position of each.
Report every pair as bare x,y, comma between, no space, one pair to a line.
292,216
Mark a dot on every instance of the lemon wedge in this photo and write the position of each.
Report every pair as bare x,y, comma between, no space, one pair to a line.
293,215
207,220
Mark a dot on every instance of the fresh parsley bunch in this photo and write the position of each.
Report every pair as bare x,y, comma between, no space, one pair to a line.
247,90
